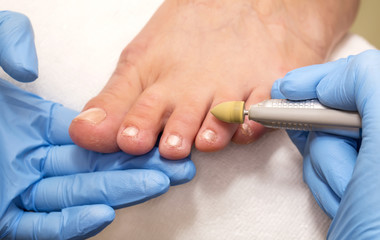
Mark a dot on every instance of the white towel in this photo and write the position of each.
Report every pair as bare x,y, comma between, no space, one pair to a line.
243,192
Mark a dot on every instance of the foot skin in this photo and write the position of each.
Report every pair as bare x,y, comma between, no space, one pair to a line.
191,56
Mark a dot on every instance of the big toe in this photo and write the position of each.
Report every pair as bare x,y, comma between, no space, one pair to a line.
96,127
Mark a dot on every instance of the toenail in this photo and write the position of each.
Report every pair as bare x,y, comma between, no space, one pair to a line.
209,135
174,141
246,130
92,115
130,131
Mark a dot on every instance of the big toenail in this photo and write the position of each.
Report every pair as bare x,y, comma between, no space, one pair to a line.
174,141
209,135
130,131
246,130
92,115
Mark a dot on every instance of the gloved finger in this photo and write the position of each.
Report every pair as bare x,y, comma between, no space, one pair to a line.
49,118
74,222
299,138
276,91
60,120
342,88
71,159
333,159
301,83
18,55
358,214
323,194
114,188
9,220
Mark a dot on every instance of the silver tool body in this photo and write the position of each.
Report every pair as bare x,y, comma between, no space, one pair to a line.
309,115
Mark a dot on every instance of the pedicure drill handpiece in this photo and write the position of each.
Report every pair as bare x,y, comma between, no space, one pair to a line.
309,115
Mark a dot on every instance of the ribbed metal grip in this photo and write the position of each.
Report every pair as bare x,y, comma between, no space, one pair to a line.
284,103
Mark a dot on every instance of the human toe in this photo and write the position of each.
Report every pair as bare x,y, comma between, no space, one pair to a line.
181,129
250,131
214,134
96,127
144,121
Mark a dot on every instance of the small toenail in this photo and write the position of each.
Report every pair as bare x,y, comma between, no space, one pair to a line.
246,130
92,115
130,131
209,135
174,141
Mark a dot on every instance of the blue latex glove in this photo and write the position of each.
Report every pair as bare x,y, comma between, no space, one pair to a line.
69,189
17,51
52,189
342,172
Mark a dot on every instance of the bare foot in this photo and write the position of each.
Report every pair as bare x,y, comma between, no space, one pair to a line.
193,55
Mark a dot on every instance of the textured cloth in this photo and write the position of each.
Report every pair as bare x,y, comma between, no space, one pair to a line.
243,192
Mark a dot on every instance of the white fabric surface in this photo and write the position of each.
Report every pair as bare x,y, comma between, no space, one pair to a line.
243,192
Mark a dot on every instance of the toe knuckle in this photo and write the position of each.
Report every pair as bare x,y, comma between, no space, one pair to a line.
150,100
188,119
127,63
132,53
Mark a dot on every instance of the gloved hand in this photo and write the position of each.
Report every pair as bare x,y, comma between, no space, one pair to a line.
342,172
50,188
17,51
69,189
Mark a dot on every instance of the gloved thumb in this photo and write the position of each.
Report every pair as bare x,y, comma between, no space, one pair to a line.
349,87
301,83
18,55
71,223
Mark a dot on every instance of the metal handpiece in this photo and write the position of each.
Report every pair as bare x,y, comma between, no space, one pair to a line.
307,115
